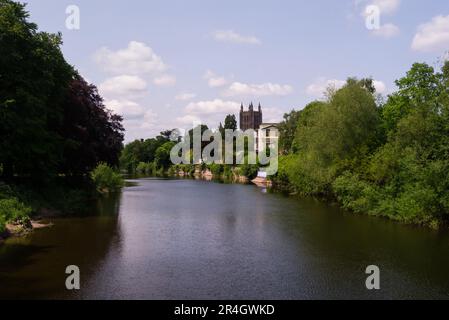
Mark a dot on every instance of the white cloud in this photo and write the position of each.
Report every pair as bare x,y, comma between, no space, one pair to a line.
126,108
387,30
264,89
188,121
385,6
272,115
137,58
185,96
150,119
212,107
432,36
234,37
165,80
380,87
319,87
209,112
147,125
124,86
215,81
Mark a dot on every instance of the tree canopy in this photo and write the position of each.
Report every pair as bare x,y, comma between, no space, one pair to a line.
51,120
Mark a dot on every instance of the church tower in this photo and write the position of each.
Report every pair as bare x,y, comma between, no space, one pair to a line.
250,119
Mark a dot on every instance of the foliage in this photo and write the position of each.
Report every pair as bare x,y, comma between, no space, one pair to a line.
162,156
332,137
2,225
12,210
287,130
142,151
230,122
390,160
106,179
249,170
51,121
145,168
216,169
90,133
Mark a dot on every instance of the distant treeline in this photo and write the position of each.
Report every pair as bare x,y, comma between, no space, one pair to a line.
385,158
152,156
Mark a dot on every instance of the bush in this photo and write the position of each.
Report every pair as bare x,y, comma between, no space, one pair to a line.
216,169
106,179
146,168
249,170
2,225
12,210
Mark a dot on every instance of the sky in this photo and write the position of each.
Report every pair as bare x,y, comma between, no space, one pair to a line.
173,63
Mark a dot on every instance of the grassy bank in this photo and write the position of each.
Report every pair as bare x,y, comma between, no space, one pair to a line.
23,200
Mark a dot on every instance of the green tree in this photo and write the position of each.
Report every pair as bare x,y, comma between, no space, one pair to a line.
287,130
230,122
34,78
334,137
162,156
421,86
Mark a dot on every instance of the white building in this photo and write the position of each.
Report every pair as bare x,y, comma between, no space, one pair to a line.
267,136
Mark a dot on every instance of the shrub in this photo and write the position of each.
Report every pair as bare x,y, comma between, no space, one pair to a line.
145,168
2,225
216,169
106,179
249,170
12,210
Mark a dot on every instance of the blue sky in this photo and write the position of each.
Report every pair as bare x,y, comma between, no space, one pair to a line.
167,64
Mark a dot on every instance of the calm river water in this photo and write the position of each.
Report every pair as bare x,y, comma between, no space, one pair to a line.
187,239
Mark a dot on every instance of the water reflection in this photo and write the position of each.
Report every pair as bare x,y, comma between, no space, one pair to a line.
192,239
34,266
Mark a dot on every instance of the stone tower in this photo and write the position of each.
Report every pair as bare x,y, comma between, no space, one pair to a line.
250,119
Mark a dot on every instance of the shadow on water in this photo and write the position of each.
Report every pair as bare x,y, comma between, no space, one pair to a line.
34,266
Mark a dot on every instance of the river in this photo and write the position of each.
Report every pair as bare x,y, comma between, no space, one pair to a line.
190,239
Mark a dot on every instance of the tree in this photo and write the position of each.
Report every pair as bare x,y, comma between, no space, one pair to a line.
292,121
230,122
334,137
287,130
51,120
34,78
90,133
162,156
420,86
407,178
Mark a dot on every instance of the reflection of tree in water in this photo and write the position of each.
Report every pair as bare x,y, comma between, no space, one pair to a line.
334,247
108,205
34,266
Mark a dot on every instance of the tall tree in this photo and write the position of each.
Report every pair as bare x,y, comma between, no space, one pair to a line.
34,78
90,133
51,120
230,122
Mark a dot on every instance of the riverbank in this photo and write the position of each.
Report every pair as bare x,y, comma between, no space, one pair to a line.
279,185
26,205
21,230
